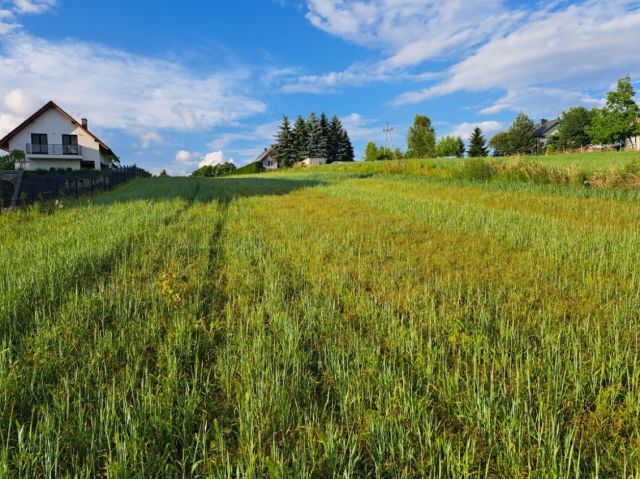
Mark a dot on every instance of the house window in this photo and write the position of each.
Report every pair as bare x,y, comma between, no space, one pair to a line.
39,143
70,144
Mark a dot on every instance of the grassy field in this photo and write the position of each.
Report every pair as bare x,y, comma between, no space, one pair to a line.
333,323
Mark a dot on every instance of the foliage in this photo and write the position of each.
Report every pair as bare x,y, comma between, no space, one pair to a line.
450,146
477,144
6,163
618,120
374,153
163,173
301,135
255,167
222,169
500,144
521,136
421,139
315,138
573,128
284,149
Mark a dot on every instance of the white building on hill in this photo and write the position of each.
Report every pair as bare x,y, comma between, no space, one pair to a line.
51,138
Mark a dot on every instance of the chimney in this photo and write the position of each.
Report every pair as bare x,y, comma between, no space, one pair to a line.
85,124
543,121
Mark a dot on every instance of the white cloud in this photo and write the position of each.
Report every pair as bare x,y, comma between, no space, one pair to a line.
187,161
214,158
360,128
33,6
185,157
541,102
149,138
464,130
116,89
16,102
580,46
410,30
264,133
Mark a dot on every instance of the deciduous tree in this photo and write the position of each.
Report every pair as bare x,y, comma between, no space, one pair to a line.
421,139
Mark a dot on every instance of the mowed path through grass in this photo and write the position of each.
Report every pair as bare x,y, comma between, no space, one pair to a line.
322,325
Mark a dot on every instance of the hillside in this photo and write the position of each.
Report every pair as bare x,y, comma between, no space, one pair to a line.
331,322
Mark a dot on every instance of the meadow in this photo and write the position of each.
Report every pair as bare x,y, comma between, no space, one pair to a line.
337,322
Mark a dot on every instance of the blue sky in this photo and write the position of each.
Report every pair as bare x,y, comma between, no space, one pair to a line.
178,84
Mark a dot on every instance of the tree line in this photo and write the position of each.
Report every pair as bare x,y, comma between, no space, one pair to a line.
616,124
315,137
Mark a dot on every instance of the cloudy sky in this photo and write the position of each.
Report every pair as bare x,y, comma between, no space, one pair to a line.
176,84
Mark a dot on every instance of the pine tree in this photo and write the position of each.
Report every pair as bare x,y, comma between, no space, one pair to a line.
477,144
285,148
316,146
334,140
345,147
301,134
323,144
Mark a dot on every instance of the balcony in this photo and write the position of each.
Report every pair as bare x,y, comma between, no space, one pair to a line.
60,150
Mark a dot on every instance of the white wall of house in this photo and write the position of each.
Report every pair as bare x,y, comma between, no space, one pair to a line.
634,143
315,161
54,125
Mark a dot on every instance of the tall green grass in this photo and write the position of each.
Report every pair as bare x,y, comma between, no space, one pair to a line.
323,324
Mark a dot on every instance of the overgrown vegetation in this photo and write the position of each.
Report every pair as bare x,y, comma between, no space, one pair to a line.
376,326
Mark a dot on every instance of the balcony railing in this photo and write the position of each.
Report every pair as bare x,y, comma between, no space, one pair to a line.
36,149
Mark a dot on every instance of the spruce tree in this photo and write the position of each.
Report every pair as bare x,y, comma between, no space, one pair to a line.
345,148
334,140
477,144
314,134
285,148
323,143
301,134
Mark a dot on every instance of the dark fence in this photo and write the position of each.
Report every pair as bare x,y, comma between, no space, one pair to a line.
39,186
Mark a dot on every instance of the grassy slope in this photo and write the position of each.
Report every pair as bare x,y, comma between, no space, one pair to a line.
318,324
588,162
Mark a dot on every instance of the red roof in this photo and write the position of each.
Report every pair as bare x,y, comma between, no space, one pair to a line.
4,143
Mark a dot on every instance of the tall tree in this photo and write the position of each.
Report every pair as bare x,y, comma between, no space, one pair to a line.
284,150
421,139
521,135
301,134
500,144
450,146
314,146
477,144
573,126
617,122
345,147
323,143
334,139
371,152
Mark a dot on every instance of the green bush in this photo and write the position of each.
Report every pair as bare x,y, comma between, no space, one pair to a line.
255,167
476,169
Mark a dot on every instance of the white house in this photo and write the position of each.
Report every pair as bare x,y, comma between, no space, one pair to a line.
267,160
51,138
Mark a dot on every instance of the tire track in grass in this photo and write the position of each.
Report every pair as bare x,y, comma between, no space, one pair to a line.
145,403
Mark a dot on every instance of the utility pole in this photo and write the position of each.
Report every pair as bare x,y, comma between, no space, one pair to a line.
388,139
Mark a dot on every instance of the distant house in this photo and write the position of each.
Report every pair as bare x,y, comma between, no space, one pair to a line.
315,161
267,160
545,130
51,138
